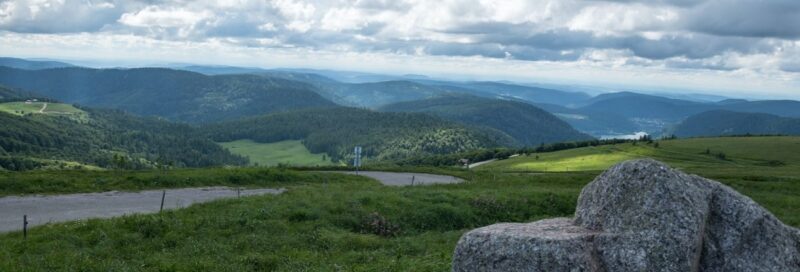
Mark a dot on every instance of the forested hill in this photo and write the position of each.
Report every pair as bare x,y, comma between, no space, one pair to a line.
104,138
32,64
719,122
173,94
526,123
383,135
8,94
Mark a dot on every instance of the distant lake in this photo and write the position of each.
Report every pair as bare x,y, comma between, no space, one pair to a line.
634,136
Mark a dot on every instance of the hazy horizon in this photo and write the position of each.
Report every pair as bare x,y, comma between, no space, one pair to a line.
740,49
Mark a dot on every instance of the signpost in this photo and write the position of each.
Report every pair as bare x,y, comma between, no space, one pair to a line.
357,158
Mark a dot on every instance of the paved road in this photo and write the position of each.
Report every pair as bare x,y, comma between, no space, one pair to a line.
473,165
404,179
61,208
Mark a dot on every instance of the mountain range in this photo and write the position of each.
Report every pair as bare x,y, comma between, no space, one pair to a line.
393,117
172,94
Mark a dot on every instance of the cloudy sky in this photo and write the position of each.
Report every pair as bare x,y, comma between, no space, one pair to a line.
732,47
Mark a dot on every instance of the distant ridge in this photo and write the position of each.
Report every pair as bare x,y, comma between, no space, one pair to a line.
173,94
721,122
528,124
32,64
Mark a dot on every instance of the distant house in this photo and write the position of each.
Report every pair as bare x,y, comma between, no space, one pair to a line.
27,101
464,162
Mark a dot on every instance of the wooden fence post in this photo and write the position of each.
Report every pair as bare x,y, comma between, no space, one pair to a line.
163,194
25,227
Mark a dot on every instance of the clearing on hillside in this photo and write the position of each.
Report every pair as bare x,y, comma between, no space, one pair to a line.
21,108
291,152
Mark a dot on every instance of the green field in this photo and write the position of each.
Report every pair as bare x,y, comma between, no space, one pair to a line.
21,108
334,222
775,156
271,154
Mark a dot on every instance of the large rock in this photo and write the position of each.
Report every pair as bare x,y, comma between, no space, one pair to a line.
641,216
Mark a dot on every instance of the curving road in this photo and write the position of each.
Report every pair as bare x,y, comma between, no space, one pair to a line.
406,179
61,208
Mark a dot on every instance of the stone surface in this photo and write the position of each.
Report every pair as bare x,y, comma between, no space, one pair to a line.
641,216
539,246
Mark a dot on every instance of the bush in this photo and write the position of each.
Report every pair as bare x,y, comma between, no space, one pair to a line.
375,223
772,163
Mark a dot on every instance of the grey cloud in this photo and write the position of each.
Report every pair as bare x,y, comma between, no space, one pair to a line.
69,17
792,67
694,47
747,18
383,5
702,31
680,3
699,64
691,46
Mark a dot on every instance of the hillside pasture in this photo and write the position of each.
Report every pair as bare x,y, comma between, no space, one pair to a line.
22,108
291,152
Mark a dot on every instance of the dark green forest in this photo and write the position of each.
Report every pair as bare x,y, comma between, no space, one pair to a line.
109,139
526,123
720,122
172,94
384,135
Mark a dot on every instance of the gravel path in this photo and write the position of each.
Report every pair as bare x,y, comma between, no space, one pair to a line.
404,179
60,208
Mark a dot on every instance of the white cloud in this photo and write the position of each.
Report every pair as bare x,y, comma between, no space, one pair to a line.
615,18
662,36
153,16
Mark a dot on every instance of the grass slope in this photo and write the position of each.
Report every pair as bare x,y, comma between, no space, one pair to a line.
332,222
20,108
742,154
270,154
347,224
766,169
52,109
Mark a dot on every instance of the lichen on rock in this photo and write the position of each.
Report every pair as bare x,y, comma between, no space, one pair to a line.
641,215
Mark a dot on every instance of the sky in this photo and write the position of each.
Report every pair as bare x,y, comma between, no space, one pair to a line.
739,48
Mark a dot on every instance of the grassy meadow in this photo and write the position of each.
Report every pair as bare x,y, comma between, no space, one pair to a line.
774,156
334,222
55,109
291,152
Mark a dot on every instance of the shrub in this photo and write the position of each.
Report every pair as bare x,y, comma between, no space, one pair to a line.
375,223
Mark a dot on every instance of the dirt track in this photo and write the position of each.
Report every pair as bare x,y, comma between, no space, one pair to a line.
61,208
